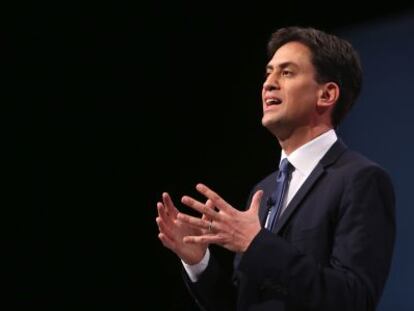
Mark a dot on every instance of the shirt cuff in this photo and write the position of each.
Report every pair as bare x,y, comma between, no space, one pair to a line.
194,271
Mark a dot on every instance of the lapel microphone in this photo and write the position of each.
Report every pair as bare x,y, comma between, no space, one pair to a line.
270,202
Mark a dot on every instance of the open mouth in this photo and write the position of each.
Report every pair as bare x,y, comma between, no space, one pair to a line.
273,101
270,102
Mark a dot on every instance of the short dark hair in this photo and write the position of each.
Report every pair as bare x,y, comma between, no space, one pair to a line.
334,60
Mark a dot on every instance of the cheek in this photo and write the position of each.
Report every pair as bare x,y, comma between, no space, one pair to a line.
302,99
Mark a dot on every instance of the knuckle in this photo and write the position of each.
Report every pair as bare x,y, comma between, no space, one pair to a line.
215,197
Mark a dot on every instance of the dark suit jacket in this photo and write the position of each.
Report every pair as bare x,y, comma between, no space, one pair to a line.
330,250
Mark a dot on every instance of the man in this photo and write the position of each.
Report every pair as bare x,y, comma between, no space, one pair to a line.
319,233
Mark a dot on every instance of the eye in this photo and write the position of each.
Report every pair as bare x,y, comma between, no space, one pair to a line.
286,73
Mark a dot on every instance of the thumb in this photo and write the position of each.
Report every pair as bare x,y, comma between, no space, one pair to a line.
255,205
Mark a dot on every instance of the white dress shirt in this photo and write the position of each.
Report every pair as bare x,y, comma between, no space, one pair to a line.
304,159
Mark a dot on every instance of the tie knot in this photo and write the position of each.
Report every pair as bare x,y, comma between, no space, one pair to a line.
285,167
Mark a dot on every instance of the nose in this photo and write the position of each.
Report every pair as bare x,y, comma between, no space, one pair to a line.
270,84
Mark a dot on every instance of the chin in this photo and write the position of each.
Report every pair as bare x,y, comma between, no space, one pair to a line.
268,121
274,125
265,123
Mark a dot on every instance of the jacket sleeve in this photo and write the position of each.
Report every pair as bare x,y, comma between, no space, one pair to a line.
355,273
214,290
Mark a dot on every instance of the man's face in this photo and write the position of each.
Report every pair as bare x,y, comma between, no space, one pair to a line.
290,92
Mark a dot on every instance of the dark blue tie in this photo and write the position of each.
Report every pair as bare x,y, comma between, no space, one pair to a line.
276,201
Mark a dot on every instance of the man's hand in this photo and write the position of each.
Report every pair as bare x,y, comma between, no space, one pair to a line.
223,225
173,231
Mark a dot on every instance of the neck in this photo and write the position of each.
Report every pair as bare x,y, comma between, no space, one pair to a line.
300,137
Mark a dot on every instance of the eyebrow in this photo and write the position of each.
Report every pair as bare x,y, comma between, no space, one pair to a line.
282,65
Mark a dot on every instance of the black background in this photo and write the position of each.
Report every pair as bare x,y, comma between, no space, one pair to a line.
112,104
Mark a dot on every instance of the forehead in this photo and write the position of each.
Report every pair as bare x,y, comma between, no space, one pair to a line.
292,52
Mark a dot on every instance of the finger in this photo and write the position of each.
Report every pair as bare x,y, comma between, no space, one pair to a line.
210,205
168,203
218,201
255,205
199,207
162,212
203,239
205,225
163,227
166,241
195,222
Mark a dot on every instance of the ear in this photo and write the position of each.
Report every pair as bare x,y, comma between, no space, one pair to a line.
328,96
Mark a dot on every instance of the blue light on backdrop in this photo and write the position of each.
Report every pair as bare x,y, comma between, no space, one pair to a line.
381,126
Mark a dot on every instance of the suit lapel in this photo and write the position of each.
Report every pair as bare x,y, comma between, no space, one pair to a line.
268,188
263,210
293,205
330,157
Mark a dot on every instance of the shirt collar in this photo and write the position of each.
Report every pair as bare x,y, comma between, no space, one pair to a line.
307,156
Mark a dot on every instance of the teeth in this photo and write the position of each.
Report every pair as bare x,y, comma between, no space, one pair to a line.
272,101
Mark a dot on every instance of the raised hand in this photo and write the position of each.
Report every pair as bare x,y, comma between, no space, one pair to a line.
223,225
172,232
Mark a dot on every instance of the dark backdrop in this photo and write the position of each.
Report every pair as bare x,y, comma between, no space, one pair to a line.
381,127
114,104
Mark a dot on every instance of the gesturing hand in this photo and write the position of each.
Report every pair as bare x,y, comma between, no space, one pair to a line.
173,231
224,225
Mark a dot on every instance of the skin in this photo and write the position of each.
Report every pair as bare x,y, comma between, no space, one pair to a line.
172,231
305,111
303,114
